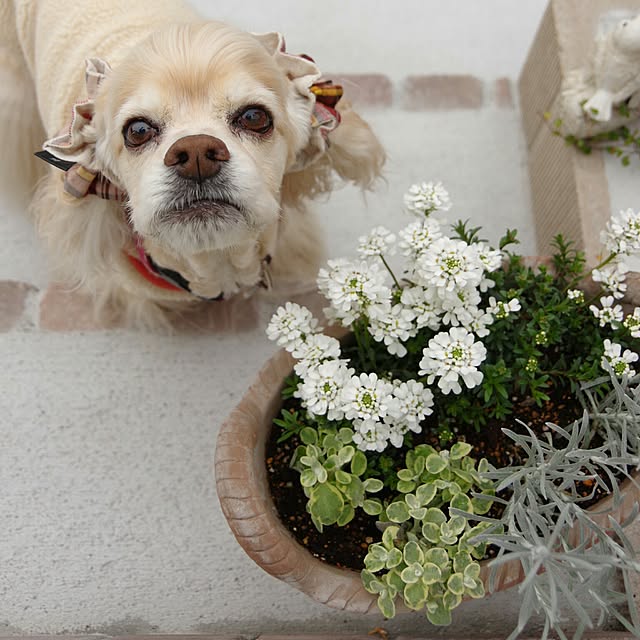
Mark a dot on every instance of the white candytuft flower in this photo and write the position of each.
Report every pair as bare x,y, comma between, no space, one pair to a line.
460,306
612,278
576,295
632,322
618,361
315,349
366,397
479,322
380,241
290,325
608,314
453,355
490,258
370,435
501,309
321,389
425,306
417,237
449,265
352,287
425,198
392,325
411,404
622,234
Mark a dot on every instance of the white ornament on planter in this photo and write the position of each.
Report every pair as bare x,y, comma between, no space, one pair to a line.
611,78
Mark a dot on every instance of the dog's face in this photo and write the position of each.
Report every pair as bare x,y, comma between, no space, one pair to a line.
199,125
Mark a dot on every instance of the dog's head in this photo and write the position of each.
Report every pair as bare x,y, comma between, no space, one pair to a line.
200,124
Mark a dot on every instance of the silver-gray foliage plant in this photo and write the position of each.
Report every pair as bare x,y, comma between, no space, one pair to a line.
545,506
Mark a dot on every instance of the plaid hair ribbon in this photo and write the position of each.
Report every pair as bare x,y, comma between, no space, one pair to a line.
72,150
324,116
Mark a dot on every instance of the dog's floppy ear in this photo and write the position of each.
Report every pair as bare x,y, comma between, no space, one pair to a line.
302,73
351,149
77,143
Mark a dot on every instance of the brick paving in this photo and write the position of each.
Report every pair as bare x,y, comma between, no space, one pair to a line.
13,303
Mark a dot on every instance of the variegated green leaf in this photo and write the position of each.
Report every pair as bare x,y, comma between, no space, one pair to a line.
431,532
412,553
415,595
431,573
372,507
435,464
309,435
412,573
404,486
373,485
394,558
455,584
425,493
346,454
459,450
308,478
437,613
346,516
435,516
388,537
398,512
325,503
386,605
437,556
358,463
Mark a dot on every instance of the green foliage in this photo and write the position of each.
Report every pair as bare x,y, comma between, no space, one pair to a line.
552,343
427,555
331,471
290,422
622,142
470,236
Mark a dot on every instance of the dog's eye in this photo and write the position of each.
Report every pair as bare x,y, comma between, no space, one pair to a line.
254,119
138,132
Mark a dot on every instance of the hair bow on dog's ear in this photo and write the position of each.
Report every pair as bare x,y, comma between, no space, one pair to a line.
309,101
77,142
73,150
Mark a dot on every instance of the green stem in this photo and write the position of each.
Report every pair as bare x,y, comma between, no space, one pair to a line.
612,256
393,275
357,333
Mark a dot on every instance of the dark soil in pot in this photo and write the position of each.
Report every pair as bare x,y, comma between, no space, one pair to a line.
347,546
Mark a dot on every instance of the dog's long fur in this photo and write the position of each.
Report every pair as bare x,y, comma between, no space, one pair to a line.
169,63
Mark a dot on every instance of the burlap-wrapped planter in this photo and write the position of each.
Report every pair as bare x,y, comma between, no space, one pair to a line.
246,502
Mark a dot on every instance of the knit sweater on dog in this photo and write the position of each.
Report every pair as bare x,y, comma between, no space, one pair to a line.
54,37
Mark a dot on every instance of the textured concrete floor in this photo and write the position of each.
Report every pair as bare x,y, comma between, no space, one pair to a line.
109,520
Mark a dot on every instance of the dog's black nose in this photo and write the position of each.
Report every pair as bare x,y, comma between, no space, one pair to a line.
197,157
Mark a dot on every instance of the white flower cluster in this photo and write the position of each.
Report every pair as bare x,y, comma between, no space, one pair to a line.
381,411
426,198
618,361
443,282
621,238
622,234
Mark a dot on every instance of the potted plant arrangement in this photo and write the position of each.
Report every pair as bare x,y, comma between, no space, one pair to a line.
479,411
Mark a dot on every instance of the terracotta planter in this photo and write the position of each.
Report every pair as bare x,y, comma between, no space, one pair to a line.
246,502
